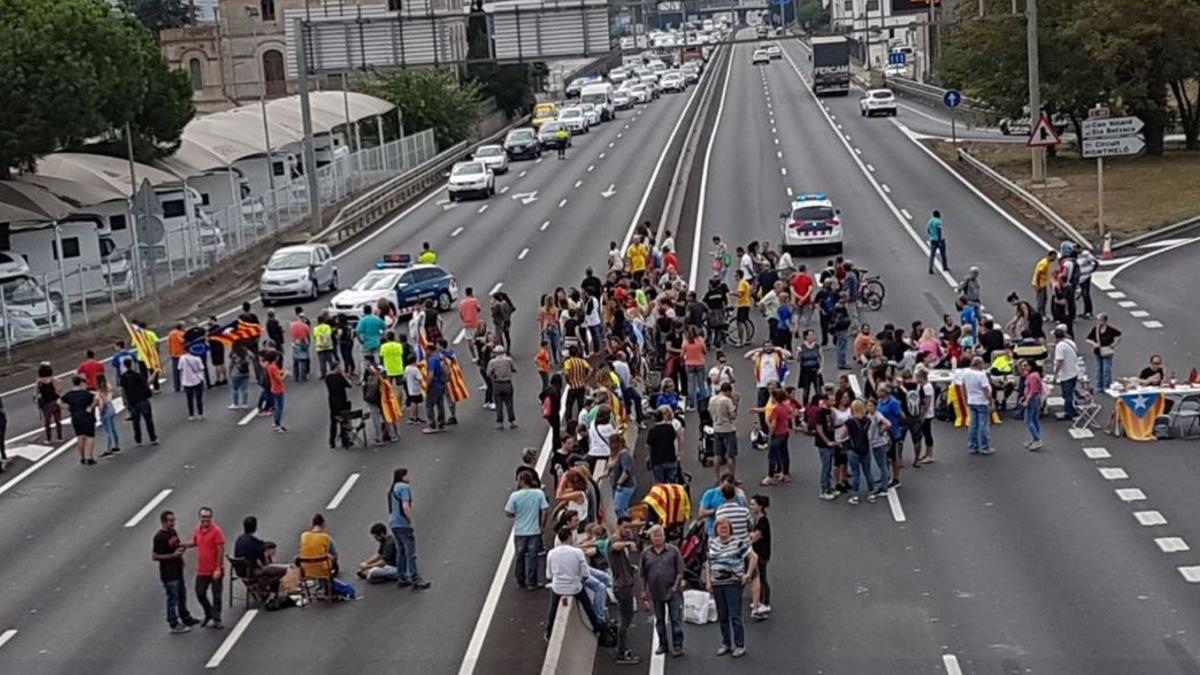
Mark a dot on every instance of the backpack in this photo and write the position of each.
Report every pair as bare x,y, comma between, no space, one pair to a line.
1073,277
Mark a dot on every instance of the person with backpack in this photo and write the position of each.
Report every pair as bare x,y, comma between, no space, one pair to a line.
435,393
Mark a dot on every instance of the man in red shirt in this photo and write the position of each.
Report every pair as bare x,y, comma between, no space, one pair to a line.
90,369
209,542
469,310
275,377
804,291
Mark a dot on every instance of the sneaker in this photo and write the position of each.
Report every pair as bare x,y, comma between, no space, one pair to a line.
723,650
738,652
176,630
420,584
986,451
1026,444
191,418
764,609
871,498
628,659
216,625
853,500
191,621
1036,445
511,425
767,482
677,652
232,406
499,427
452,420
829,496
661,650
893,484
153,441
106,453
403,583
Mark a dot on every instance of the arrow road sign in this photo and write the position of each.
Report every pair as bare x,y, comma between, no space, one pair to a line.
1043,133
612,190
525,198
1112,147
1112,127
952,98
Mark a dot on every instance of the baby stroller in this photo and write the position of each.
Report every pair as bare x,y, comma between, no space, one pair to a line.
705,447
669,505
694,550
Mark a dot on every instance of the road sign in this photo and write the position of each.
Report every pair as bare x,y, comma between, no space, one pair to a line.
149,230
1043,134
897,58
1112,127
952,98
1098,113
1112,147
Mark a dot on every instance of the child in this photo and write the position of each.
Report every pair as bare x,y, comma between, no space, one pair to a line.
414,392
543,363
1035,393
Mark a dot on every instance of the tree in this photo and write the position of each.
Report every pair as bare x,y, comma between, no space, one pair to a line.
430,99
74,72
160,15
511,85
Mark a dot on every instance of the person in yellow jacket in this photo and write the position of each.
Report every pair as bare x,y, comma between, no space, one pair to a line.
563,136
428,256
391,353
322,341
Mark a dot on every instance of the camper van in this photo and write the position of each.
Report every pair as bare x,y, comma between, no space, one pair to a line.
27,315
91,261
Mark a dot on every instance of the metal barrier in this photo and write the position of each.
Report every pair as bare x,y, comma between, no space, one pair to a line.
933,94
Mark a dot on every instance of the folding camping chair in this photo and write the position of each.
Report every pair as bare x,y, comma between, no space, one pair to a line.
1086,406
316,578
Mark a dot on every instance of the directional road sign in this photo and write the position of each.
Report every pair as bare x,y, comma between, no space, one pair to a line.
952,98
1043,134
1112,147
1112,127
898,59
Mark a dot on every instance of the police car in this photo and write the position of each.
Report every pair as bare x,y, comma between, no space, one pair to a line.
812,223
398,279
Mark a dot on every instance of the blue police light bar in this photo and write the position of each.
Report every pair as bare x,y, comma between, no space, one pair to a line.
810,196
392,260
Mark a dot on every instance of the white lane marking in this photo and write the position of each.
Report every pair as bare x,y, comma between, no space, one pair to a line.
1191,574
610,191
601,156
562,203
712,141
783,170
1097,453
871,168
1131,495
1152,324
1113,473
544,226
150,506
504,189
1172,544
524,252
778,154
456,232
462,334
950,662
538,160
893,498
776,141
1080,433
833,117
906,214
496,288
612,144
1139,314
39,464
858,151
855,386
342,492
886,188
234,635
789,191
839,126
1116,295
7,635
1127,304
658,662
249,416
523,174
773,130
578,183
1149,518
483,208
591,168
847,136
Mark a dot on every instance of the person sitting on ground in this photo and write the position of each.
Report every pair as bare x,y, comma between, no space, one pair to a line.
380,567
316,543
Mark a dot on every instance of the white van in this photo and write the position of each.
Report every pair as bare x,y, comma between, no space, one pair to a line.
27,315
91,262
599,95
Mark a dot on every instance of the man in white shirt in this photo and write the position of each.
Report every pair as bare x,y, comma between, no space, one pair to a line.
1066,369
979,401
567,567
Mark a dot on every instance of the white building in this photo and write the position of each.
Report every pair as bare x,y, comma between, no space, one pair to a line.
877,27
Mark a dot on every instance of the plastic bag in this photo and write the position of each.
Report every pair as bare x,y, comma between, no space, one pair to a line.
699,607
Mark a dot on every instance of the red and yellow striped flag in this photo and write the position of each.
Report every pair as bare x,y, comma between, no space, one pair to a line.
147,349
393,411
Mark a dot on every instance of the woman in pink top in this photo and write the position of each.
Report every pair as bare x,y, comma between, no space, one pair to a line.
930,345
1035,393
695,354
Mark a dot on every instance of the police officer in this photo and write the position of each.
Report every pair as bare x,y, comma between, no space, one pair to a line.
428,255
563,136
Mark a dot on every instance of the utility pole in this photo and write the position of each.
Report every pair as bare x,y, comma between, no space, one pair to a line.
1035,97
310,154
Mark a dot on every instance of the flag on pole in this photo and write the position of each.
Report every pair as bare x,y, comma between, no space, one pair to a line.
147,347
389,402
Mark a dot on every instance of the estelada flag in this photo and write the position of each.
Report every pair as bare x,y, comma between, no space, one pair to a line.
456,389
956,398
238,331
1137,412
147,348
393,411
670,502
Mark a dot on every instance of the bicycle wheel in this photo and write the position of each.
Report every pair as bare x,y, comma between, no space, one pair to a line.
872,295
746,328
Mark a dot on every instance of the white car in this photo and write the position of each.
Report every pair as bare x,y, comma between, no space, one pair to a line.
760,56
472,177
618,75
878,102
493,156
774,52
691,73
621,100
896,70
812,223
574,119
592,113
640,93
298,272
672,82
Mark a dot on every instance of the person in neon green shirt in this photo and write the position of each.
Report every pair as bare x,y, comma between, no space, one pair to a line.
391,353
322,340
428,255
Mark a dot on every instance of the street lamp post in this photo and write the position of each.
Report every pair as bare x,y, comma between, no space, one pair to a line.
1035,98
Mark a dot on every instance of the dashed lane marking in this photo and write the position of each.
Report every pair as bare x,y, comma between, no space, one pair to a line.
234,635
1097,453
7,635
886,188
1172,544
462,334
906,214
789,191
1152,324
483,208
523,174
602,155
544,226
524,252
1127,304
950,662
871,168
150,506
776,141
779,154
538,160
249,416
562,203
495,288
1130,495
1139,313
612,144
504,189
1113,473
783,170
342,492
858,151
1078,434
456,232
1149,518
578,183
1116,295
1191,574
893,498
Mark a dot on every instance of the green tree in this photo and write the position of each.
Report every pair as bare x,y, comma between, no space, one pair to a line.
511,85
429,99
75,72
159,15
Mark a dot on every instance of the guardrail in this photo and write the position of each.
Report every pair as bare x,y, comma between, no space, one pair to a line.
1024,195
370,208
933,94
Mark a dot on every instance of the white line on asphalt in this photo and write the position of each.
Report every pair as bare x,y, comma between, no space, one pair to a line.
457,231
342,492
893,498
496,288
789,190
1152,324
249,416
578,183
832,117
1080,433
544,226
234,635
847,136
858,151
779,154
839,126
776,141
538,160
1172,544
1097,453
150,506
1139,314
1150,518
1113,473
483,208
524,252
1116,295
658,662
1191,574
871,168
950,662
783,170
602,155
562,203
1127,304
591,168
504,189
462,333
39,464
886,188
523,174
612,144
906,214
1130,495
7,635
855,386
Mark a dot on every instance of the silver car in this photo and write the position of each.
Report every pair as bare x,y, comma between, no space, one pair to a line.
493,156
298,272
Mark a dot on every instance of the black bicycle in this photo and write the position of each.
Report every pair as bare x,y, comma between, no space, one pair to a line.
871,291
737,333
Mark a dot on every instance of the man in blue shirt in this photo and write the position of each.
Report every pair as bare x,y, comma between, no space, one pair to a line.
889,407
435,392
937,240
713,498
119,357
528,506
370,330
400,519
